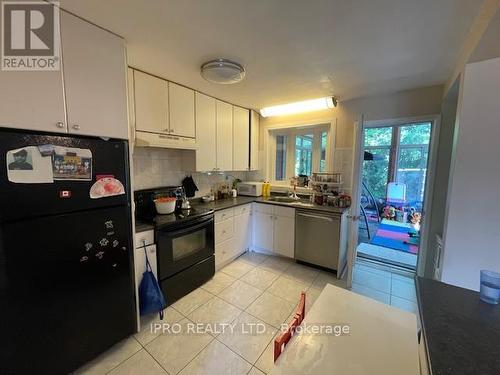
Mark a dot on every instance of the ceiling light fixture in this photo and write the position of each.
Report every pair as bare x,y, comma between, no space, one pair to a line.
222,71
299,107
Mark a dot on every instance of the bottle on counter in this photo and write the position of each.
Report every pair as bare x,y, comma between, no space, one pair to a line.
268,189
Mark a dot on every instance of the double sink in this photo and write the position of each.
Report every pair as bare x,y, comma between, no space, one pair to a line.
291,201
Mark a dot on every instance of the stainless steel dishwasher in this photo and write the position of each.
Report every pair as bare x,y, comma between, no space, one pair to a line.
318,238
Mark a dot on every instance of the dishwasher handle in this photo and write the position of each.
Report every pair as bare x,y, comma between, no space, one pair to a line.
326,218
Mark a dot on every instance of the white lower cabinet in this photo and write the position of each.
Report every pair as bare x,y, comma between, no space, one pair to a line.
232,233
274,229
242,231
142,239
262,236
284,236
140,262
224,252
224,230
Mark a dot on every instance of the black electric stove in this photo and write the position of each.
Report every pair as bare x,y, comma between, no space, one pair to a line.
176,219
184,241
145,211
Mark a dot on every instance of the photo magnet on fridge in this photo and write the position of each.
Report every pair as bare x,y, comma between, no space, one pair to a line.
27,165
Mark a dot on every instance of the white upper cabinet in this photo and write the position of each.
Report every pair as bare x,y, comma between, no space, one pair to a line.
151,103
32,100
173,116
206,154
241,138
181,111
254,140
94,79
224,136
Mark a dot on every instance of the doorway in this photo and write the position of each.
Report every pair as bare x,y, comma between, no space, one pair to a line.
392,165
394,173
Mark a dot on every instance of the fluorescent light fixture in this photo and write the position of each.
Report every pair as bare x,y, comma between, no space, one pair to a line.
299,107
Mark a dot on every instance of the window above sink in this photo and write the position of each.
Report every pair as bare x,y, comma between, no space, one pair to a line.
299,151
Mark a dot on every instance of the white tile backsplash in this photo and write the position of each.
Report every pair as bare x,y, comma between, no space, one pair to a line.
154,167
342,162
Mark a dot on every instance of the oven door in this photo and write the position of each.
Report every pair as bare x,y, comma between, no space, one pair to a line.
181,248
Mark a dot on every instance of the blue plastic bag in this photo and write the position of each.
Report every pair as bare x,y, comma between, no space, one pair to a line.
151,299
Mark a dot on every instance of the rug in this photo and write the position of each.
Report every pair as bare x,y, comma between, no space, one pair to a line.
394,235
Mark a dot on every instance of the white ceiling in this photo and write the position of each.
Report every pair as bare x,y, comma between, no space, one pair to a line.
292,49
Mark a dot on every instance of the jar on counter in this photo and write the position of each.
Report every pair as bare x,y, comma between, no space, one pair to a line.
319,199
332,200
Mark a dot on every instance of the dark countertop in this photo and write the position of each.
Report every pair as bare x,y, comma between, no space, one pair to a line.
240,200
143,227
462,333
313,206
222,204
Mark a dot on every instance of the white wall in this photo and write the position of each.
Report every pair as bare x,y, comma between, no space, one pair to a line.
472,230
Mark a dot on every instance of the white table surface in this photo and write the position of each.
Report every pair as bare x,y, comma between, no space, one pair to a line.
382,340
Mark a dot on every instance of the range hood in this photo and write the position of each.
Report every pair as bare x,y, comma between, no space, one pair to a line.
146,139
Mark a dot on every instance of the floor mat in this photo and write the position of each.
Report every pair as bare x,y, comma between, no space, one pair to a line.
394,235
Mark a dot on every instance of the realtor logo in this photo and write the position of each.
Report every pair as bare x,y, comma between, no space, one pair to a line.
30,35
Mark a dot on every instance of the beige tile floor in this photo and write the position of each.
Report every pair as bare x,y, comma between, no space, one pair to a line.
253,289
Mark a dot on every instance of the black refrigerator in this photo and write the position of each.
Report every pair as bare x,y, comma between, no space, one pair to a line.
66,258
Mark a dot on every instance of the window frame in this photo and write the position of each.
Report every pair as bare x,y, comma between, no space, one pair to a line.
395,147
291,133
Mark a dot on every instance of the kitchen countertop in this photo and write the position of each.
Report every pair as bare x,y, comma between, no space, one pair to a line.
143,227
241,200
381,339
461,332
222,204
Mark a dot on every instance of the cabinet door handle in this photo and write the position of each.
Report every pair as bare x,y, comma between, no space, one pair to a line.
166,130
76,127
60,124
172,131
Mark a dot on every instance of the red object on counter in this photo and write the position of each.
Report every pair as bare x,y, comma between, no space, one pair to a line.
281,341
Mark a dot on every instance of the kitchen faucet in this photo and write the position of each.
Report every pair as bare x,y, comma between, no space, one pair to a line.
293,194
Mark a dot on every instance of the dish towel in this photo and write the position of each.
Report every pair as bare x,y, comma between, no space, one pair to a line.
189,186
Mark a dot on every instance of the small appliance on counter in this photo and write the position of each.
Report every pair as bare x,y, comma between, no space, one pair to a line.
184,239
252,189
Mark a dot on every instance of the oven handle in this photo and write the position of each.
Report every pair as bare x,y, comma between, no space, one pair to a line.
191,228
